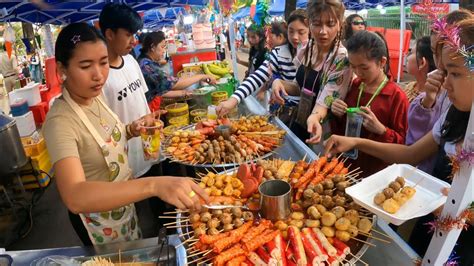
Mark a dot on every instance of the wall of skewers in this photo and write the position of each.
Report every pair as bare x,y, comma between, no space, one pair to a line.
325,225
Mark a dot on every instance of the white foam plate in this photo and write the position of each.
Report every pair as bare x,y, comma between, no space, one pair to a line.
428,196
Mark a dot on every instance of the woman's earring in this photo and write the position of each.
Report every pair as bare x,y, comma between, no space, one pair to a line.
64,77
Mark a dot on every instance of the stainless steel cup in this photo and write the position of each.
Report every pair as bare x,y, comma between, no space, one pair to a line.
275,199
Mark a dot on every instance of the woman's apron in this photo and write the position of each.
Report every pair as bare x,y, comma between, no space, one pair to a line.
120,224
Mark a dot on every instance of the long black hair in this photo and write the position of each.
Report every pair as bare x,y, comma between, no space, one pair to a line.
348,31
71,36
301,16
373,44
423,50
455,126
260,32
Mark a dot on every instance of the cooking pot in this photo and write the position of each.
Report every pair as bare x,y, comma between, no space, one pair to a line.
12,154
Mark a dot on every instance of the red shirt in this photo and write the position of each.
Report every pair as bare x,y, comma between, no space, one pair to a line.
391,109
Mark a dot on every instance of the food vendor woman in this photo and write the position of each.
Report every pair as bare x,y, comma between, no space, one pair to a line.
87,145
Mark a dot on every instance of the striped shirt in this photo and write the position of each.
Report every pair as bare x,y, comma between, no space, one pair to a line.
280,65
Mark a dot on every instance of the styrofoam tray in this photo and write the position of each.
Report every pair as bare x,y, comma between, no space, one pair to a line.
428,196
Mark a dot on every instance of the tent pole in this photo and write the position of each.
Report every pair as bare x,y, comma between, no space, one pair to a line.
402,35
232,47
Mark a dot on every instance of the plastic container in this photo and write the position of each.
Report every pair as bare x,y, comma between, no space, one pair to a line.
353,128
26,124
30,93
34,144
19,108
219,96
179,121
428,196
198,114
177,110
226,84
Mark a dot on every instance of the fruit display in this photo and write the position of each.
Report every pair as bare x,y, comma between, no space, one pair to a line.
394,196
216,69
208,144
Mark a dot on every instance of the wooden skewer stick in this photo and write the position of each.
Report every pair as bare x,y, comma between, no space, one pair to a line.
185,234
376,238
167,217
339,156
196,260
352,171
176,211
365,242
378,232
358,258
202,262
177,226
198,253
181,221
185,241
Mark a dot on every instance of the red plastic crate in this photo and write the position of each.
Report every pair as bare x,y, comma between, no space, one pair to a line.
187,57
39,112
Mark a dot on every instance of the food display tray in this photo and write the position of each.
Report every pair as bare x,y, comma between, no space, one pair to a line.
428,196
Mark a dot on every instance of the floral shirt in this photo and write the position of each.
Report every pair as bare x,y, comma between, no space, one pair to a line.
158,82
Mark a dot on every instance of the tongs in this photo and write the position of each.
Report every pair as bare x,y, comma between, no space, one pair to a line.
222,207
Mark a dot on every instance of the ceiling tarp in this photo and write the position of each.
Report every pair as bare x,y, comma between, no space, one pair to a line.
64,12
277,8
243,12
367,4
157,18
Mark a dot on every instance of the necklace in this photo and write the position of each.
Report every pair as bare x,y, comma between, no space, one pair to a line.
102,121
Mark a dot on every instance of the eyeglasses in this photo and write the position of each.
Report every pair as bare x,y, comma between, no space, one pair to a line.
357,23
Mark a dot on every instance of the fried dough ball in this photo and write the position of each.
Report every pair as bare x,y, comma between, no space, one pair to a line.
194,218
401,181
395,186
280,225
237,212
364,225
217,213
213,223
328,231
342,224
379,198
388,192
205,217
321,208
313,212
328,202
353,216
339,200
391,206
226,218
353,230
212,231
199,231
328,219
344,236
297,223
328,184
308,193
341,186
338,178
312,223
297,216
319,188
247,216
400,198
408,191
228,227
338,211
238,222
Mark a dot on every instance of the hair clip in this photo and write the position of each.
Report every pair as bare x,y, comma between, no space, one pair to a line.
76,39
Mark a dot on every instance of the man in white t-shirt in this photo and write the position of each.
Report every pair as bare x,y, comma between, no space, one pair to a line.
125,88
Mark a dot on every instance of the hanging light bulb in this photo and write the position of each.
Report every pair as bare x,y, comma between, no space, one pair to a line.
379,7
189,19
383,11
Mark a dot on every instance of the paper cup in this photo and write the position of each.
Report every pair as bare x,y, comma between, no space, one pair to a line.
151,141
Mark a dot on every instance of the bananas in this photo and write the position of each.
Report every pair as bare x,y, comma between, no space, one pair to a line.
217,70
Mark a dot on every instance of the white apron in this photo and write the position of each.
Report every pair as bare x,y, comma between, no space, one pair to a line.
120,224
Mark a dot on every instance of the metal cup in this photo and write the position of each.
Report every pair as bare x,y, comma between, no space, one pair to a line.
275,199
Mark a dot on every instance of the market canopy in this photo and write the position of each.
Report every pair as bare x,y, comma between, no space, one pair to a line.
368,4
64,12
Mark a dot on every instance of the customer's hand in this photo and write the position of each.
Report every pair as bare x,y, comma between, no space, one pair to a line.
315,128
432,87
371,122
146,121
261,95
209,79
337,144
226,106
278,89
338,107
181,192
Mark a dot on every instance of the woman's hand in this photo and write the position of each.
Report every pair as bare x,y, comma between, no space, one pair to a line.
314,127
226,106
371,123
338,107
181,192
261,95
278,89
146,121
209,79
337,144
432,87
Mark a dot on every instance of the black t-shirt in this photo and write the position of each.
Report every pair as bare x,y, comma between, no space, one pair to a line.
256,59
